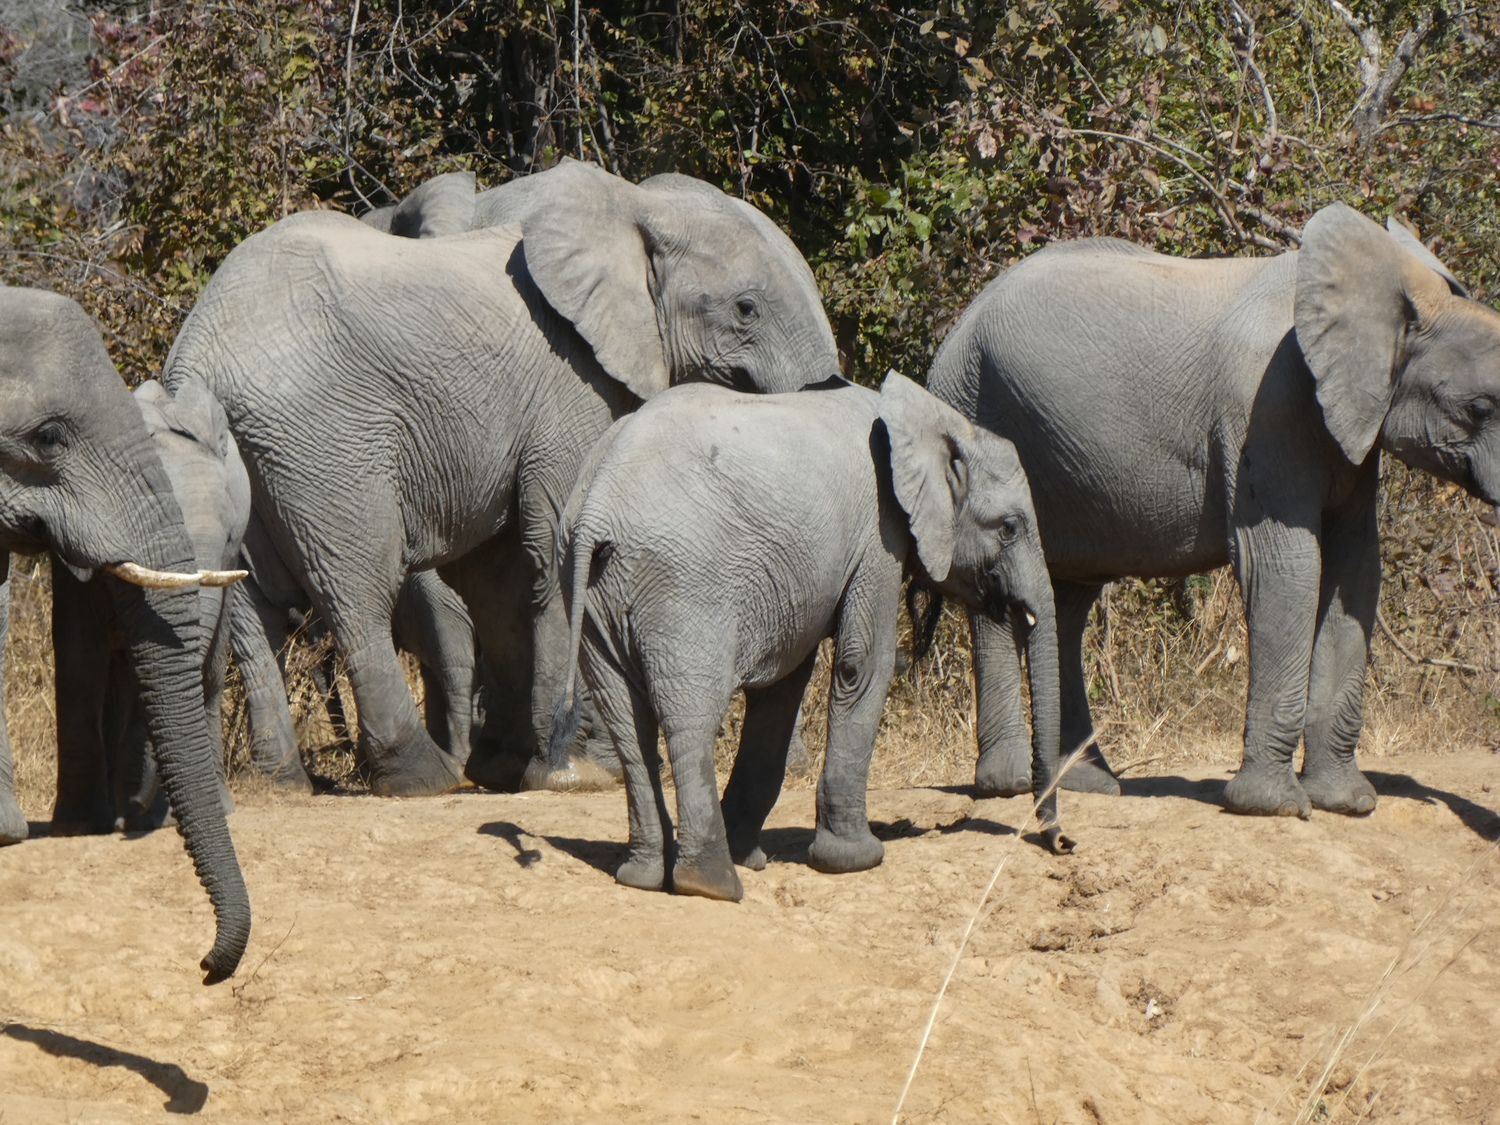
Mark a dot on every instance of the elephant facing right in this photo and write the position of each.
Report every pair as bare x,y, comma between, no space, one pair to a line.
1175,415
715,538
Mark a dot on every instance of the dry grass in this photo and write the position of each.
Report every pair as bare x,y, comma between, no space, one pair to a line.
1165,663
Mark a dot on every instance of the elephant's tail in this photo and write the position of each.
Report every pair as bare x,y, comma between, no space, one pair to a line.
565,716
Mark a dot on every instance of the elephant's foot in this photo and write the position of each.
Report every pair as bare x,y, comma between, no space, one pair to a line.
839,855
581,774
288,774
1002,774
499,770
101,825
1091,774
711,876
12,821
1267,791
1339,790
428,775
644,872
752,858
150,815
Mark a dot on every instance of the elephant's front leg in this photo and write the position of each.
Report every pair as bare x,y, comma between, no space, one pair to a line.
1346,614
13,827
864,660
1277,565
771,716
257,632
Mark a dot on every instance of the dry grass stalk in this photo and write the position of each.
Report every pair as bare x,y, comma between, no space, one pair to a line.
1313,1106
963,942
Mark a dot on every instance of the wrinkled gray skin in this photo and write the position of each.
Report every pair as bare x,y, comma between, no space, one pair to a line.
1175,415
80,476
430,621
721,537
106,772
403,404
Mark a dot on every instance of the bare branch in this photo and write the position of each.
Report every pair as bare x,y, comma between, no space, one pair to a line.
1421,118
1457,666
1377,85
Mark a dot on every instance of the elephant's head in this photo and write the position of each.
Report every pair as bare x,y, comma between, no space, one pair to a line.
669,280
975,532
1400,353
80,475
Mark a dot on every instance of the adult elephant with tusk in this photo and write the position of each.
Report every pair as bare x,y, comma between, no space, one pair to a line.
80,476
1175,415
411,403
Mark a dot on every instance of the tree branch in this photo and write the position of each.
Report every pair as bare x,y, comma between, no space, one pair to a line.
1377,85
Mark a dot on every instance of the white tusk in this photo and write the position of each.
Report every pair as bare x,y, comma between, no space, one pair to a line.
138,575
222,577
1030,620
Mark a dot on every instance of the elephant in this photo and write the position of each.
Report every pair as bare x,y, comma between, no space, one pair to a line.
81,477
106,771
404,404
429,620
720,537
1178,414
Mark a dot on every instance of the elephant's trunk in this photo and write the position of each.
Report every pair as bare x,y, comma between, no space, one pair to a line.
165,639
1036,610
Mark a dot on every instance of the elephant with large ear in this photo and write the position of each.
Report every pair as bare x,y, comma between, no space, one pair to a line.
720,537
404,404
1175,415
106,770
81,477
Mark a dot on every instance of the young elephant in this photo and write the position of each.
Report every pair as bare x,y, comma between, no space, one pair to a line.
106,772
721,537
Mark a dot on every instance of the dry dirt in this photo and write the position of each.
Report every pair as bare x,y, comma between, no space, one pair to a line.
470,958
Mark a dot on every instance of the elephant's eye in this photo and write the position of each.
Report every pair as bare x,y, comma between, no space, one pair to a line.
747,308
1480,411
48,438
1009,528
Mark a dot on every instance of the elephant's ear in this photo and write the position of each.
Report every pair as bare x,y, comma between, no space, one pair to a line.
1357,294
441,206
929,466
589,252
1407,239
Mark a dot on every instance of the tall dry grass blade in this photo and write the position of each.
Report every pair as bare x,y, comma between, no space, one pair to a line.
937,1002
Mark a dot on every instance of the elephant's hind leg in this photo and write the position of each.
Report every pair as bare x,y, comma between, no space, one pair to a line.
1335,695
632,726
1090,773
771,715
691,706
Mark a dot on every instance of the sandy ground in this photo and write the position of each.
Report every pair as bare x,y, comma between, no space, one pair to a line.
470,958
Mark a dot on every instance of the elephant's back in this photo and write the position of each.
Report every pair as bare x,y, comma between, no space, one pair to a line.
751,510
1100,361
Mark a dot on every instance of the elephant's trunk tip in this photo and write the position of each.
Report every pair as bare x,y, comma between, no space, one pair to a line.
229,947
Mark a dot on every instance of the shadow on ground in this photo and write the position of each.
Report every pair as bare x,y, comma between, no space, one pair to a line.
1483,822
185,1095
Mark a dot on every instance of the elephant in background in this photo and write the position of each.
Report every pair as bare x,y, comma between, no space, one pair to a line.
106,769
405,404
721,537
81,477
1177,414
